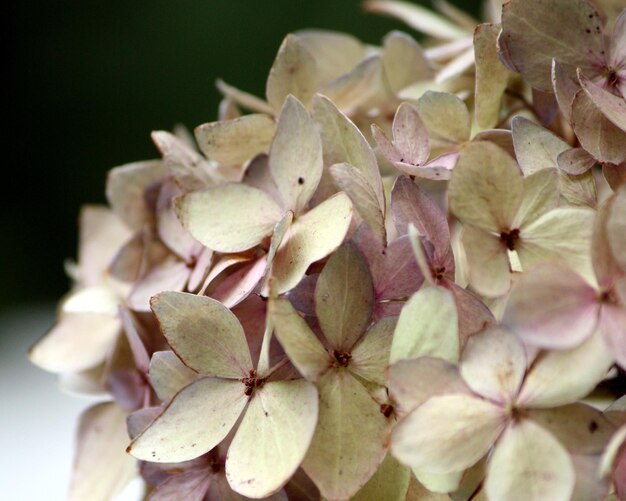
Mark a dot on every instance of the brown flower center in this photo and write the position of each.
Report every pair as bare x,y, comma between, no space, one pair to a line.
510,238
342,358
252,382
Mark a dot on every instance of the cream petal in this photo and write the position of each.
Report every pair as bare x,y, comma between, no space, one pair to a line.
196,420
445,115
294,72
552,307
244,99
344,298
203,333
295,159
273,437
404,61
171,275
563,377
616,227
613,327
540,196
491,76
101,469
229,217
390,482
370,356
447,433
168,375
310,238
343,458
428,326
303,348
488,262
493,365
413,382
529,464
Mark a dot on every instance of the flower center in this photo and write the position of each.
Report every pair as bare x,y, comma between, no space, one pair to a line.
252,382
342,358
510,238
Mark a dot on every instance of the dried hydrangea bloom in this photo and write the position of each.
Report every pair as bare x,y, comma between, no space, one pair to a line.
554,307
344,363
503,212
497,397
210,340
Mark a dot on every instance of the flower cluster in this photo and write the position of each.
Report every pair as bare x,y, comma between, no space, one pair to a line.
401,275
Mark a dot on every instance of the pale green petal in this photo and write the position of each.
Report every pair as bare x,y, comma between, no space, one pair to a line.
447,433
294,72
491,76
203,333
168,375
445,116
370,356
125,191
352,181
389,483
439,482
348,445
343,142
404,61
486,187
273,437
310,238
229,217
305,351
344,298
101,468
296,156
196,420
428,326
232,142
536,148
413,382
529,464
493,365
540,196
616,227
563,377
489,269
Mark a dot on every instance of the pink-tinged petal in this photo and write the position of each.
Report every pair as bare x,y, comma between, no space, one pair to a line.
588,483
238,285
203,333
499,137
387,309
137,346
536,148
443,162
189,485
171,275
102,233
491,76
302,297
258,175
580,428
486,188
563,377
575,161
613,462
232,142
304,349
493,365
565,30
140,419
410,135
545,106
529,464
434,173
229,217
613,327
616,227
615,175
224,262
413,382
273,437
565,89
473,314
295,159
294,72
344,298
385,146
195,421
488,262
409,204
398,275
350,180
356,451
404,61
613,107
126,187
447,433
127,387
605,266
169,228
596,133
310,238
101,469
552,307
199,272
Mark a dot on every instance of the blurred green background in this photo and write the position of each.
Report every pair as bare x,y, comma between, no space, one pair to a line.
88,81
